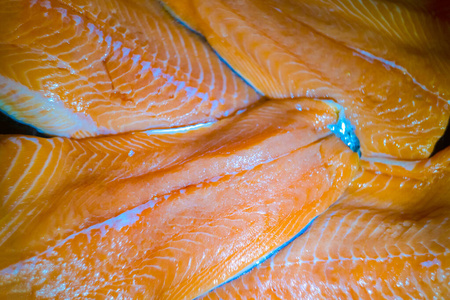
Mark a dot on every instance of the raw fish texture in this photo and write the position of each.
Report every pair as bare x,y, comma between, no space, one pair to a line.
160,216
386,238
386,63
86,68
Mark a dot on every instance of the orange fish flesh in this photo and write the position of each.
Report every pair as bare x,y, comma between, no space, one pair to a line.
209,203
386,63
386,238
88,68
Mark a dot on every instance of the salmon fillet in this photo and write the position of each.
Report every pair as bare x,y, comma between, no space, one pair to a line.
88,68
164,216
386,63
387,238
174,179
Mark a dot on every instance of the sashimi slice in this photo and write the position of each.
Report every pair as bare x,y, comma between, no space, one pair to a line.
50,188
88,68
387,238
385,62
182,244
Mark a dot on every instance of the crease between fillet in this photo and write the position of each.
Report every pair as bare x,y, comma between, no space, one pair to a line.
266,257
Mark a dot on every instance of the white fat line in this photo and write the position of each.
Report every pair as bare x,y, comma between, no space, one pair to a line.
407,165
179,129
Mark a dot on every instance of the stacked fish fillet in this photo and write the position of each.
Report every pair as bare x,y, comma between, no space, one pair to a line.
278,149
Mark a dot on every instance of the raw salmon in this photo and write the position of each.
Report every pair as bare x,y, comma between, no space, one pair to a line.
164,216
87,181
387,63
387,238
85,68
